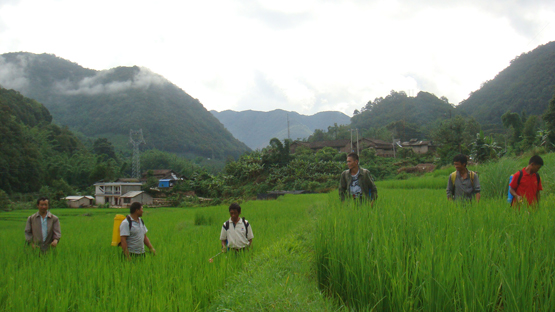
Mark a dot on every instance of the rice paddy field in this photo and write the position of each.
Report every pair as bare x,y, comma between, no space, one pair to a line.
413,251
85,273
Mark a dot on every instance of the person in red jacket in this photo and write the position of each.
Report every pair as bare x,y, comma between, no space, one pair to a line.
526,183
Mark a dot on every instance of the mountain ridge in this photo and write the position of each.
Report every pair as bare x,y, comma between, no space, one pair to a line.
257,128
111,102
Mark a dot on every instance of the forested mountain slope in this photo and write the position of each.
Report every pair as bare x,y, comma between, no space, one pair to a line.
109,103
526,85
28,141
257,128
417,113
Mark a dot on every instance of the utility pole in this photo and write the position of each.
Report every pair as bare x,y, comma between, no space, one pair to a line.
136,171
288,133
351,140
357,142
393,139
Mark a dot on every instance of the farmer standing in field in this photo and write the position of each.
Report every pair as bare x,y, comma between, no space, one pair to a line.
463,184
43,228
526,183
133,233
356,182
236,232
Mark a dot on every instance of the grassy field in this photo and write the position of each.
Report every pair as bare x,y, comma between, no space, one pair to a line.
86,274
413,251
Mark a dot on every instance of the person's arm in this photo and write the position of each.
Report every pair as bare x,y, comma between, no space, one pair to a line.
29,232
149,245
342,187
477,187
223,238
124,247
449,188
515,195
373,189
57,232
250,236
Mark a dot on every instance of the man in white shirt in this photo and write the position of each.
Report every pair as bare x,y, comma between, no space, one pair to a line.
236,232
133,237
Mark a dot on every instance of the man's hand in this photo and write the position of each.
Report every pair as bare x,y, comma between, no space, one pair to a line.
54,243
224,249
153,251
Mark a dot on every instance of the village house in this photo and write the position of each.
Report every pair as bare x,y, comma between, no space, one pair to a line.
343,146
166,177
419,147
112,192
136,196
382,148
78,201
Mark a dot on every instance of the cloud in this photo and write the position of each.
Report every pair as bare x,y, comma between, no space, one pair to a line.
278,15
12,75
96,84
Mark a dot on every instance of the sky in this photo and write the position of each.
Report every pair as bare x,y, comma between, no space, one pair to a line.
299,55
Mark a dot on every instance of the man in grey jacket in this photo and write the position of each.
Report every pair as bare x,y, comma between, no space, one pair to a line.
43,228
356,182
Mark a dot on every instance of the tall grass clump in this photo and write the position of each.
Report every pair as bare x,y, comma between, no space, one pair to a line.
416,251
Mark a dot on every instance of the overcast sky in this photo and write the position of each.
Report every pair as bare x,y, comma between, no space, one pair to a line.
305,56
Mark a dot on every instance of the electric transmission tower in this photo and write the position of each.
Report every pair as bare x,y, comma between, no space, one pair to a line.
136,139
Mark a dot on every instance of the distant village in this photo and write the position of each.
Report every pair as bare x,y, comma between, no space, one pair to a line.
124,191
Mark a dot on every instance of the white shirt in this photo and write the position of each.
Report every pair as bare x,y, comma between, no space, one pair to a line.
237,236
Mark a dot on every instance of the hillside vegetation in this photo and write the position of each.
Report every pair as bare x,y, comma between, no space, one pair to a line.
111,102
525,85
411,117
256,128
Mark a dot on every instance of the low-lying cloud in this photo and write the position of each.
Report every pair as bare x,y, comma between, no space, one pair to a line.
95,85
12,75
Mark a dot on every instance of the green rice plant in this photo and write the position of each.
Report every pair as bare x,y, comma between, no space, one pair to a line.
204,217
416,251
85,273
421,182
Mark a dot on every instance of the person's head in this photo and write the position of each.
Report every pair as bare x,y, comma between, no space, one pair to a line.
136,208
234,211
352,161
535,163
42,205
460,161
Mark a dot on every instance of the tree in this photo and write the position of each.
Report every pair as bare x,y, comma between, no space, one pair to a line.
549,118
455,136
278,153
102,146
513,122
484,148
529,133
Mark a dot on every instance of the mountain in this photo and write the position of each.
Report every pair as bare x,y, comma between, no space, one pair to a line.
256,128
110,103
29,144
527,84
415,115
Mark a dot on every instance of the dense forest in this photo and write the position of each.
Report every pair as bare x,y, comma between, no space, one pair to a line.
526,85
402,116
38,156
256,128
112,102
